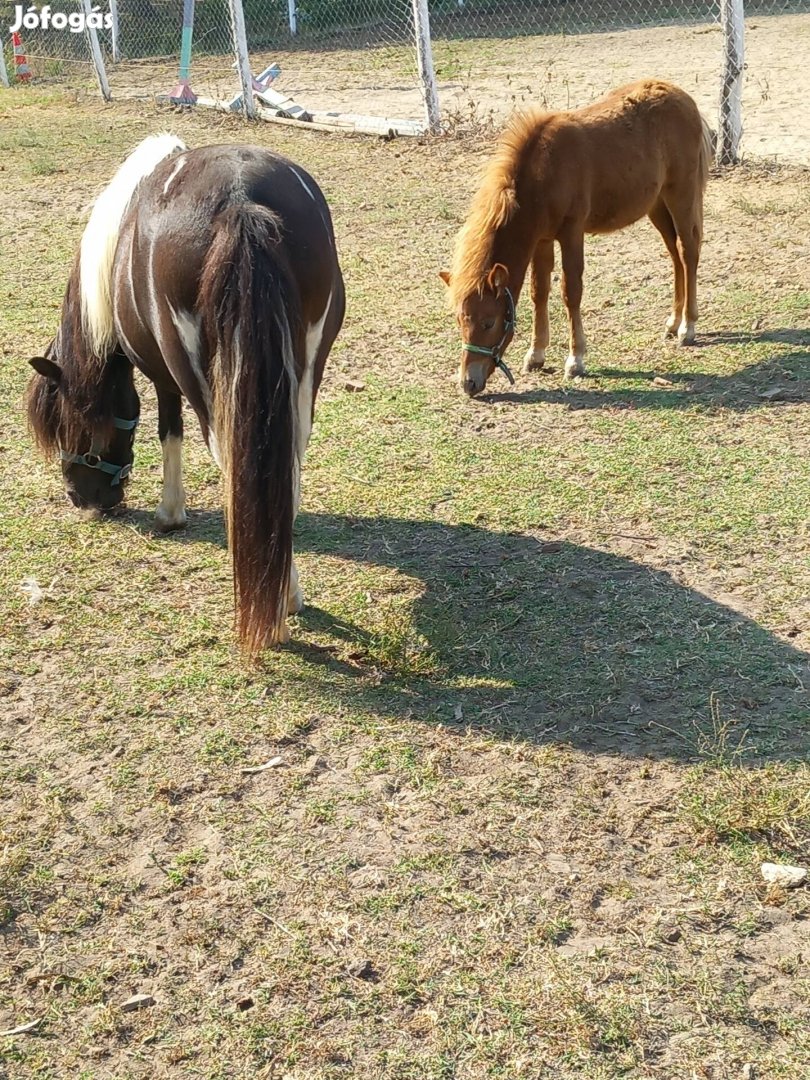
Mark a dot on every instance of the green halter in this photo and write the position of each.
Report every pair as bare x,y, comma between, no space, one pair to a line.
92,460
495,352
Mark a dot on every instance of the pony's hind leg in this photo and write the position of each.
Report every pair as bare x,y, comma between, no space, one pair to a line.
688,225
542,266
572,243
171,514
306,399
662,220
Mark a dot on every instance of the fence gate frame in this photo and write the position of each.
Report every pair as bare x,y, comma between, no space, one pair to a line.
729,13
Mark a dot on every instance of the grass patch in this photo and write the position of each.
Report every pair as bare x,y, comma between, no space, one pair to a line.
543,714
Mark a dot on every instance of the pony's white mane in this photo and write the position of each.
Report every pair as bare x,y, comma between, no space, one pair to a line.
100,239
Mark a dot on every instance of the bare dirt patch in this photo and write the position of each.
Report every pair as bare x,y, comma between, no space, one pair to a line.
544,716
482,79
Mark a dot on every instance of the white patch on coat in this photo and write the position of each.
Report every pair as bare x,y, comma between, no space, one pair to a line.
173,174
303,183
100,239
305,389
188,326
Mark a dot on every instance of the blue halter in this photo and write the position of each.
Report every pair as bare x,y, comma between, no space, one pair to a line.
495,352
92,460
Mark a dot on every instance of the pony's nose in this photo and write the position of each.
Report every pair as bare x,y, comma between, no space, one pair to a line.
470,387
77,500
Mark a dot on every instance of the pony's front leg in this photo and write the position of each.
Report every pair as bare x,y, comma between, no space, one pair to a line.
662,219
542,266
572,246
171,514
687,220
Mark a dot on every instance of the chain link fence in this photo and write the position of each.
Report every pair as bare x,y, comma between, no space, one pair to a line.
55,53
359,57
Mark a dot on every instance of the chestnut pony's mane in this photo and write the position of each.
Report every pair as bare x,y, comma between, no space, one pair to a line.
492,207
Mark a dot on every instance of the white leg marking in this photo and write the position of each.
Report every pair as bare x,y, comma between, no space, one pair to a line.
305,391
295,597
534,359
213,449
171,514
686,332
173,174
574,365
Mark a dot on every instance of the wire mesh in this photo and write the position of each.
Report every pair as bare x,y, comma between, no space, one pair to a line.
55,53
358,56
353,57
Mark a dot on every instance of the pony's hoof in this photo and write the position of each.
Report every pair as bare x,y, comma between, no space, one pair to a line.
686,334
534,360
283,636
166,522
574,367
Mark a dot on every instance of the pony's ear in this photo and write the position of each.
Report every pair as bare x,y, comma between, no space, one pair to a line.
46,368
445,276
498,278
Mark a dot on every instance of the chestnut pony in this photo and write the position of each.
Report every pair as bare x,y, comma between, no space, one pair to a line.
642,149
214,272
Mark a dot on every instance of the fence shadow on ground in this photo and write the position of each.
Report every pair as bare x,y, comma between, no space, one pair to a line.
782,379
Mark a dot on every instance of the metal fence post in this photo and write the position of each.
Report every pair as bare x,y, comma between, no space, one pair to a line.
292,15
427,73
242,59
732,16
115,32
3,72
95,52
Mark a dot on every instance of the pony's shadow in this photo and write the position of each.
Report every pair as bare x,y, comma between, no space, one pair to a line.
782,379
541,641
553,641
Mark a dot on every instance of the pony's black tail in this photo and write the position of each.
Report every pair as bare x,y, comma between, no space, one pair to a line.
251,314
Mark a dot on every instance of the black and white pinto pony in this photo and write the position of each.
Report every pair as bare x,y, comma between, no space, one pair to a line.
214,271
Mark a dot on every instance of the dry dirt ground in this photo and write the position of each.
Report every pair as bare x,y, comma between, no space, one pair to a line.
480,78
545,714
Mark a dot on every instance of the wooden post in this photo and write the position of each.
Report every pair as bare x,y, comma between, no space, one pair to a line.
95,52
115,32
427,73
242,59
182,93
732,16
3,72
292,15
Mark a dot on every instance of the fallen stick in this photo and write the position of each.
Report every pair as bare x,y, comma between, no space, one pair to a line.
271,764
22,1029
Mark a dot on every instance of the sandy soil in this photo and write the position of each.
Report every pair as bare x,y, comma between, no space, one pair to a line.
483,79
478,78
